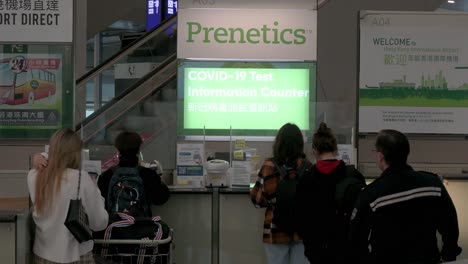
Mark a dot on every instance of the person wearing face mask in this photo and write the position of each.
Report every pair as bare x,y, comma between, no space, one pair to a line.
397,217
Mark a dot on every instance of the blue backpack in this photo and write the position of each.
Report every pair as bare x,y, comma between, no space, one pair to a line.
127,193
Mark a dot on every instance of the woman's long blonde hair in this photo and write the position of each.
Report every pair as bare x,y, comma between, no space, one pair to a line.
64,152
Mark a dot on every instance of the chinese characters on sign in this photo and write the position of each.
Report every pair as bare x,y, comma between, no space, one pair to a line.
233,108
153,7
29,18
171,7
27,5
417,117
29,117
36,20
153,16
404,56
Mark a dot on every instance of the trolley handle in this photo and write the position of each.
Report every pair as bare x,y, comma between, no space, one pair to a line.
133,241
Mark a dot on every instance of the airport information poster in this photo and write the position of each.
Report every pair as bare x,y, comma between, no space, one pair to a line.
414,73
30,91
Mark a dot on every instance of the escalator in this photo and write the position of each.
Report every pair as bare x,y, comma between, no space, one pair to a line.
145,104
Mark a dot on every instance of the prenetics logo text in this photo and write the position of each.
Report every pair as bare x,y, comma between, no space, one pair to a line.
266,34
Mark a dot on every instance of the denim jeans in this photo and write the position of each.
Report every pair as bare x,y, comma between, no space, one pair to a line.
292,253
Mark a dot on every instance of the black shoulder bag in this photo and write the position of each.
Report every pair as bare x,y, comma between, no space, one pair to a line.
77,219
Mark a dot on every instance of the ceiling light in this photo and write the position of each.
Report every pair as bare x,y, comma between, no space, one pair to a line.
451,1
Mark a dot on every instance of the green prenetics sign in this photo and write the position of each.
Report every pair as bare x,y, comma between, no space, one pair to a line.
253,34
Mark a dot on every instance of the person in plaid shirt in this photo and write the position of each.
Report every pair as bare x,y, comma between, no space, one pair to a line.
281,247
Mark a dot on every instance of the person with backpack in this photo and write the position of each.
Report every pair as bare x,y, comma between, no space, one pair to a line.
275,191
129,191
324,201
144,183
128,187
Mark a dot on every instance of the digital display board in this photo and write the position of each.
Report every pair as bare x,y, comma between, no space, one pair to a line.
255,98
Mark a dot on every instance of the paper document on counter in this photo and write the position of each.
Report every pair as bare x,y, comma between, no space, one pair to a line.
241,173
190,159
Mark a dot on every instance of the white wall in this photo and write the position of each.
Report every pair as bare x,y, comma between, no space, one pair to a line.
458,192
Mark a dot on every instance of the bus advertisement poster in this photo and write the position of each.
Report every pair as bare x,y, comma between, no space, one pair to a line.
30,91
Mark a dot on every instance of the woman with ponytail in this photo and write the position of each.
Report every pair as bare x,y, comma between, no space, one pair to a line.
51,189
325,200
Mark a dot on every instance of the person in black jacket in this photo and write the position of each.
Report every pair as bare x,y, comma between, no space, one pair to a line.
323,218
397,216
128,144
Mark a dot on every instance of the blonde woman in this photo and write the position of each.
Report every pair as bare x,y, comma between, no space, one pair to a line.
51,189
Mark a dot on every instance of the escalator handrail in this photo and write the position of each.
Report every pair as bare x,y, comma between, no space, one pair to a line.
124,52
156,88
114,100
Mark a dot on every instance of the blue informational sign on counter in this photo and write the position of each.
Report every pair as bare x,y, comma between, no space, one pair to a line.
153,14
171,8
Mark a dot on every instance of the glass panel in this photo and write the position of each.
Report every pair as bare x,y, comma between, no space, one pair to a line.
126,68
149,109
341,120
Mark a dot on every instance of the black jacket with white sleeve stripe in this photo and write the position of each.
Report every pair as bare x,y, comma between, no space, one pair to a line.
397,216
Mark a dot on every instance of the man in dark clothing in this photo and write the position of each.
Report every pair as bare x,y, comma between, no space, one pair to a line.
128,144
396,218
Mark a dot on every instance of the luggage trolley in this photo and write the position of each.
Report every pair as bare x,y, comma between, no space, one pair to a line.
143,252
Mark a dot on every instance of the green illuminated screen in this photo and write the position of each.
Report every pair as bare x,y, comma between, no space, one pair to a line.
252,98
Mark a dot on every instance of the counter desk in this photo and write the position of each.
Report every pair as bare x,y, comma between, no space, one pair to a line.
15,242
214,225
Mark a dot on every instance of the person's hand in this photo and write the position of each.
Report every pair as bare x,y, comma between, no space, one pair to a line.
39,161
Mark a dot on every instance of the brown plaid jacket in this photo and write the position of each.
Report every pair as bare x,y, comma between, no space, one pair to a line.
263,195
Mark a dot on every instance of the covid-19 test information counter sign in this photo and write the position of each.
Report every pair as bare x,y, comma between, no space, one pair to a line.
413,69
254,97
241,97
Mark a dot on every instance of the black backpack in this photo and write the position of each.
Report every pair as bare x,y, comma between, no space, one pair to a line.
346,193
127,193
283,209
330,225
